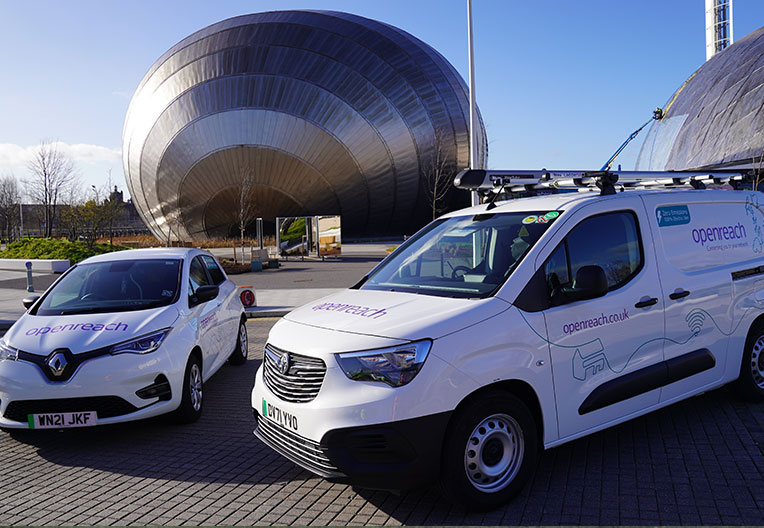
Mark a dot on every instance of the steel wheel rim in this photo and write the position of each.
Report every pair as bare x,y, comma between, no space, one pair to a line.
243,344
494,453
195,387
757,362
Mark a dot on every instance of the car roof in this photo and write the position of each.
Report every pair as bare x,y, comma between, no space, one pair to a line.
566,200
146,254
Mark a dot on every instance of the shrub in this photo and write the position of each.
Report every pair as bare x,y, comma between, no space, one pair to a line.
54,248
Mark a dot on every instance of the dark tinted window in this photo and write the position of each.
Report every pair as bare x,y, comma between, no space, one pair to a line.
196,276
214,270
610,241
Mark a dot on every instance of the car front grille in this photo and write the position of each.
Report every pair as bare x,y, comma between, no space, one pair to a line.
300,383
104,406
298,449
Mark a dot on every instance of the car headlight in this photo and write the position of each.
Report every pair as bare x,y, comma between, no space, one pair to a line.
141,345
395,366
8,352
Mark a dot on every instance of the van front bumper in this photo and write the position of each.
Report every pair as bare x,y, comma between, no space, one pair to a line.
397,455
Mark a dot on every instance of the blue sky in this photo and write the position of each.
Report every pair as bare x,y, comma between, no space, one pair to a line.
560,83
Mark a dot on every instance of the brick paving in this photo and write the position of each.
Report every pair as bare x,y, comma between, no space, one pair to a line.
697,462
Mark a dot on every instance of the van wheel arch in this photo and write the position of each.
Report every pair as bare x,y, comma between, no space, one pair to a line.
748,385
521,390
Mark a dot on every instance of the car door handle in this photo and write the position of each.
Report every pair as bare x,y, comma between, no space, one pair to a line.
679,294
646,302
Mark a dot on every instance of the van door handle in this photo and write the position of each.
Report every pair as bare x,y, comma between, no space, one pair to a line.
678,295
647,302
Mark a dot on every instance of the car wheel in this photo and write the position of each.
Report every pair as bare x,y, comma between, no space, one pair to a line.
750,384
239,354
191,402
489,452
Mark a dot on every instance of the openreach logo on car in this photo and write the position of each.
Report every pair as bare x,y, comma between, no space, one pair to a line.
602,320
88,327
713,234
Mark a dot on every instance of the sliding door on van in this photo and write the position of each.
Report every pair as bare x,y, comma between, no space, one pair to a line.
600,347
695,242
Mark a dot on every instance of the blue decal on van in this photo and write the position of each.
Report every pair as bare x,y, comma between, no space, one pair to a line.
672,215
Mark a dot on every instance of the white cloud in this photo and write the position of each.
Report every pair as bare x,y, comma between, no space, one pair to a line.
16,157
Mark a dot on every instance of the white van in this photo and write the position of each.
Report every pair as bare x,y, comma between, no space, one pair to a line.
503,329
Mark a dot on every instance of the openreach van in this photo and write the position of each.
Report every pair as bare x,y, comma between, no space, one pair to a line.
511,327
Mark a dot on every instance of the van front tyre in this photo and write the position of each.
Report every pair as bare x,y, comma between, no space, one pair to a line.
489,452
190,408
750,384
239,354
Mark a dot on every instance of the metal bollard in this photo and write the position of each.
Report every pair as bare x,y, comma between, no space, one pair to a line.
30,286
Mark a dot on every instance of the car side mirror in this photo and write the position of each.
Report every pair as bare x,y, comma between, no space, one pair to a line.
590,283
28,302
206,293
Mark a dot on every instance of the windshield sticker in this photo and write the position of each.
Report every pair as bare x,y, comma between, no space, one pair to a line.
530,219
672,215
98,327
551,215
352,309
523,232
167,293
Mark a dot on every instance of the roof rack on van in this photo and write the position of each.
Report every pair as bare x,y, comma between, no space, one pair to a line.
497,181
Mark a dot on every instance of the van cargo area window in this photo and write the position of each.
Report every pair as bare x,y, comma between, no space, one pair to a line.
465,256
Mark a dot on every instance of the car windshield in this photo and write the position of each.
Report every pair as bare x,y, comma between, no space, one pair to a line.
465,256
120,286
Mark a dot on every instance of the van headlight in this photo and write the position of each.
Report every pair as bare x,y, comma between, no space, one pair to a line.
141,345
8,352
395,366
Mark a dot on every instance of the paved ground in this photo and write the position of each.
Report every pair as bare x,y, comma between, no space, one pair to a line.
697,462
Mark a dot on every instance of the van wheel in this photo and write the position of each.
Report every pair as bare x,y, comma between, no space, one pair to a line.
190,408
239,354
750,384
489,452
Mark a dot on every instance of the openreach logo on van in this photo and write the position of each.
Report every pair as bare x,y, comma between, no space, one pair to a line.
91,327
602,320
706,235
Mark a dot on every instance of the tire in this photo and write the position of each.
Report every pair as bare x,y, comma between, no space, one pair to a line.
490,451
239,354
750,383
191,403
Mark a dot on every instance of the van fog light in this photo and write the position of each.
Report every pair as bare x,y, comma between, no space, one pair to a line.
395,366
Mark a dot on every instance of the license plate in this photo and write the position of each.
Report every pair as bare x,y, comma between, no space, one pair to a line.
62,420
279,416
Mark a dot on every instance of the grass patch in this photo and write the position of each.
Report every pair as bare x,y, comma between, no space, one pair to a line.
55,248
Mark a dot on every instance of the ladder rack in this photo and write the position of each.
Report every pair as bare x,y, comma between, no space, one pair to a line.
497,181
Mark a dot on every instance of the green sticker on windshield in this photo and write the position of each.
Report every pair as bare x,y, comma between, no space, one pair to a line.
551,215
523,232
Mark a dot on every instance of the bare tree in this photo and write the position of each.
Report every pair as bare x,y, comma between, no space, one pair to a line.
247,206
51,174
10,201
437,178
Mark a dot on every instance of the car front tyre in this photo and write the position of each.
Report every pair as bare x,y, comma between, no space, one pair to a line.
489,452
190,408
239,354
750,384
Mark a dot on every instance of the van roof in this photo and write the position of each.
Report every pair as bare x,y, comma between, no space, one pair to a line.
567,200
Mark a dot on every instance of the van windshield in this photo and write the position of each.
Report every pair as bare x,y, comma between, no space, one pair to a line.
117,286
466,256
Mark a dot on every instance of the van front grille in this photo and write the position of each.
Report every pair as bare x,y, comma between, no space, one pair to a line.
302,379
298,449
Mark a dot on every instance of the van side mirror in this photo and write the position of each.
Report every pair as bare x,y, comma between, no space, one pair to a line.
590,283
28,302
206,293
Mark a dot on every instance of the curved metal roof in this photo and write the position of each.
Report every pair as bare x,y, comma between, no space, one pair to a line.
715,119
333,114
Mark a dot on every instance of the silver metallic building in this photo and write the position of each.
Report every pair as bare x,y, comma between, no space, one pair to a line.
716,118
328,112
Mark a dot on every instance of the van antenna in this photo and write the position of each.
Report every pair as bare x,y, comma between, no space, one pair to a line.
657,116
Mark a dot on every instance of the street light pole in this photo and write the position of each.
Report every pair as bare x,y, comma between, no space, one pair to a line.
473,112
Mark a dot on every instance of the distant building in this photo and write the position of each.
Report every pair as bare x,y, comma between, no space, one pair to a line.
311,112
716,118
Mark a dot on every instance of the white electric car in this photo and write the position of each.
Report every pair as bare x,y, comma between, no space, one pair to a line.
500,330
119,337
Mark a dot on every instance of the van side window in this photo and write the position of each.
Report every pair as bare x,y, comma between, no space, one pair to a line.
610,241
214,270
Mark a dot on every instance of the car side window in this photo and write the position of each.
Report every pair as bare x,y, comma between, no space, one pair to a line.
197,277
610,241
214,270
